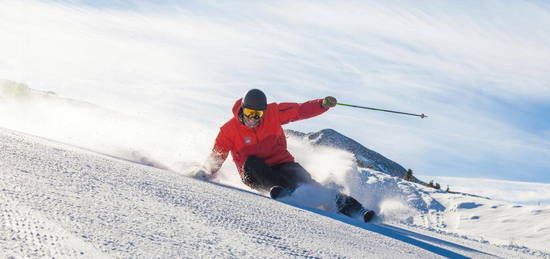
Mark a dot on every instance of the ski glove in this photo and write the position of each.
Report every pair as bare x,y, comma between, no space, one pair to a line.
329,102
201,174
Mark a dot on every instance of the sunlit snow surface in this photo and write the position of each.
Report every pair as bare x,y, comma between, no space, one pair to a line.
511,191
63,202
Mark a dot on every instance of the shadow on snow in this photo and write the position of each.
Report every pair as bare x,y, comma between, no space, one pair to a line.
403,235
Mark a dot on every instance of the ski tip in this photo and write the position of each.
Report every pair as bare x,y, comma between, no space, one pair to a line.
277,192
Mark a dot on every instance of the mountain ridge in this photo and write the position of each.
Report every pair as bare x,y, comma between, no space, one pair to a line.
365,157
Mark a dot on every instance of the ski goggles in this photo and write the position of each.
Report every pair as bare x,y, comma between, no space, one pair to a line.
251,113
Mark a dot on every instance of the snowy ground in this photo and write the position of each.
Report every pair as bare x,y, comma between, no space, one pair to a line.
64,202
511,191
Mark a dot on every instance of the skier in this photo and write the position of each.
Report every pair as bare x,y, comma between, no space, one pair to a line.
257,143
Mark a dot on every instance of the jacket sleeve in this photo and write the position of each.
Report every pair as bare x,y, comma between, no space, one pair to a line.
289,112
220,151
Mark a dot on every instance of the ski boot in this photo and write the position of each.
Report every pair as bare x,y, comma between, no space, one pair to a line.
352,208
277,192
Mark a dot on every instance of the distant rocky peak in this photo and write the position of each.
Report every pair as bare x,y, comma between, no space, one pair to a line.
365,157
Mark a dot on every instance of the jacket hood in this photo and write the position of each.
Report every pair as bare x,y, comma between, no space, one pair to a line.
237,107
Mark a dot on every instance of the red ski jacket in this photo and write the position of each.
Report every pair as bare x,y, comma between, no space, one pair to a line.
266,141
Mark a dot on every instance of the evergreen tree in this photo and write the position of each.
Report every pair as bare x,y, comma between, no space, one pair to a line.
431,183
437,186
360,162
408,175
448,190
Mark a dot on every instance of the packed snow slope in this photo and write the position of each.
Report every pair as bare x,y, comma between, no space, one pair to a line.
64,202
57,201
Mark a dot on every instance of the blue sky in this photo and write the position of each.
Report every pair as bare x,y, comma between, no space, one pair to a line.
478,69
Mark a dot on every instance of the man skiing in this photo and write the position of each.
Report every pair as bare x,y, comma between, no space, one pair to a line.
257,143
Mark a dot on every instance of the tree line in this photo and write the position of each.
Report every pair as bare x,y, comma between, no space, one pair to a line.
432,184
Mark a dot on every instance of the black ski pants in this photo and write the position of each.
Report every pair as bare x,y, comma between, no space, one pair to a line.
258,175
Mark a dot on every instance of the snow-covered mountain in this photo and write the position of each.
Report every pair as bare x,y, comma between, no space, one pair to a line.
64,202
365,157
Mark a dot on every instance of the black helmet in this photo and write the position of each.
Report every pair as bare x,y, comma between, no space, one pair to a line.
255,99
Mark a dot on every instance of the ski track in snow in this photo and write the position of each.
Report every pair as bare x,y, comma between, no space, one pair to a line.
63,202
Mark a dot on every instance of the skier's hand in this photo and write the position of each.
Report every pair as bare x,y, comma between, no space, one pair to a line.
329,102
201,174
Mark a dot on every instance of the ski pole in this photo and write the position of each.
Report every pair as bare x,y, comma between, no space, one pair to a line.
422,116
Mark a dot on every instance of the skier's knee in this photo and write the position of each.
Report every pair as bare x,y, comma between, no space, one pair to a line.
255,173
249,180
